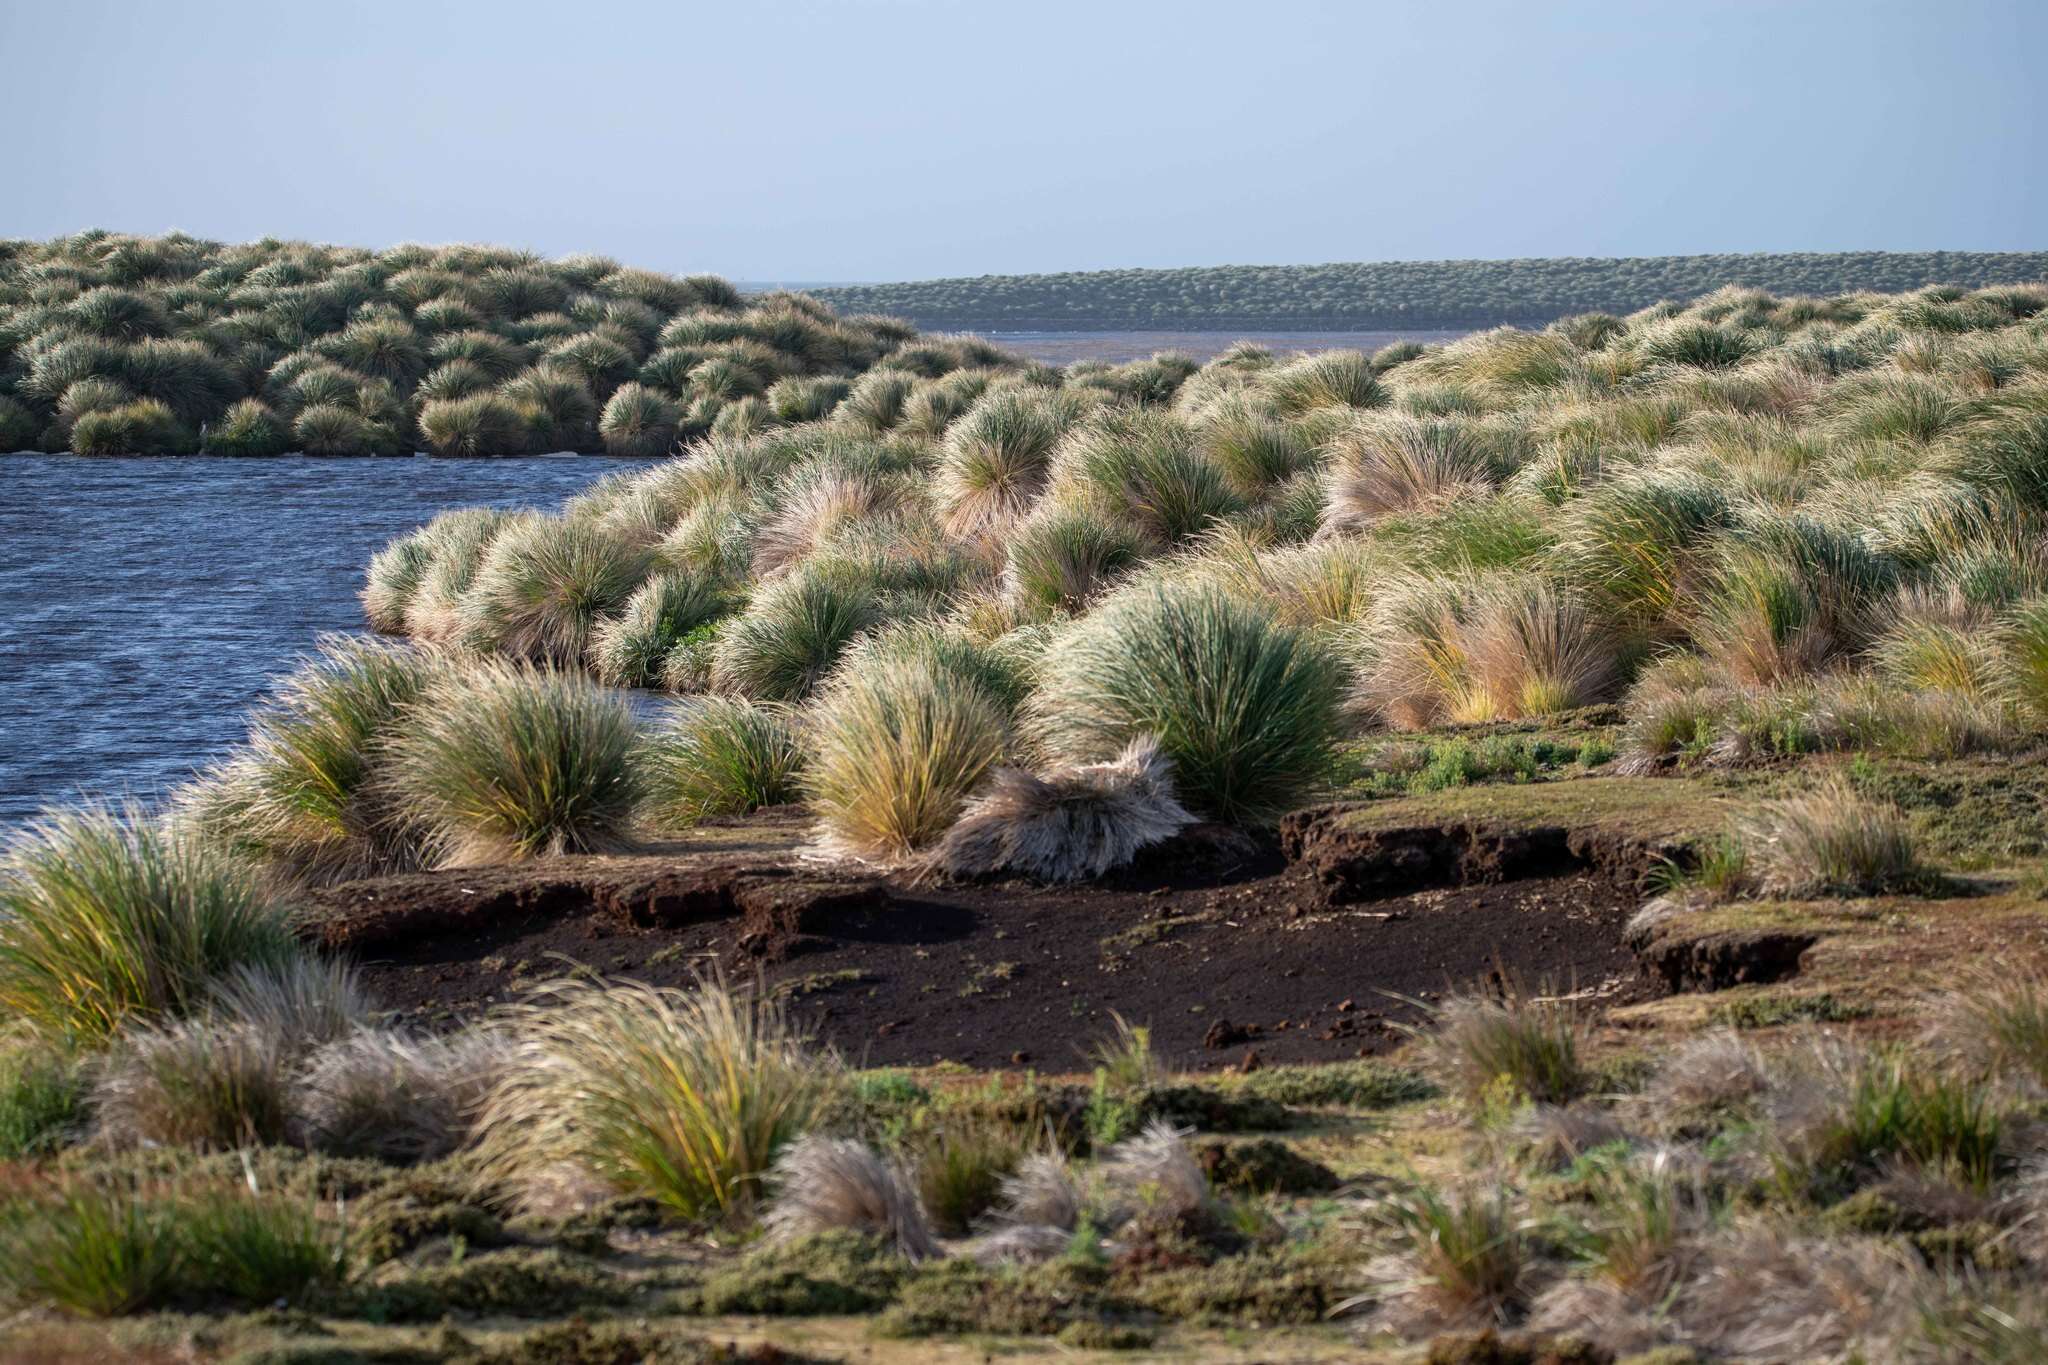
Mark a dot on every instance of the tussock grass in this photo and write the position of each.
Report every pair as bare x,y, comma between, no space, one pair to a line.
502,762
1244,707
305,796
1467,1256
106,917
896,748
196,1083
720,756
1832,841
793,631
824,1184
42,1099
996,457
544,585
396,1097
1144,466
630,649
1513,1045
1063,555
473,424
684,1097
1389,463
105,1251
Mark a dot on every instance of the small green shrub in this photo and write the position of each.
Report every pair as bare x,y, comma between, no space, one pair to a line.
42,1100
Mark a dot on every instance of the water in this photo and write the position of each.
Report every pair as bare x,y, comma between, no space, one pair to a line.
1064,348
145,603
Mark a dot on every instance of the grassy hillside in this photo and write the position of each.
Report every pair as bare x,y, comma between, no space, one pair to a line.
1393,294
115,345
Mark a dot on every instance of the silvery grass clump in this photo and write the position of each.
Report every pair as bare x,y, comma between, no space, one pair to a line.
1833,841
720,756
822,1184
896,747
1256,451
395,1096
685,1097
544,585
501,761
1247,709
1388,463
108,917
1071,824
818,502
305,797
225,1077
1142,1186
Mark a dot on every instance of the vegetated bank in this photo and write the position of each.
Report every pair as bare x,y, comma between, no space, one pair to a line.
1708,638
119,345
1405,294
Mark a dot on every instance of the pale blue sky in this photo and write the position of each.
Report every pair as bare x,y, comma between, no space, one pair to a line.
891,139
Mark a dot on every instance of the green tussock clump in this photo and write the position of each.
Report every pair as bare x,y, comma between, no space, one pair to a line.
107,1251
898,745
106,917
543,586
684,1097
1246,708
721,756
502,762
306,796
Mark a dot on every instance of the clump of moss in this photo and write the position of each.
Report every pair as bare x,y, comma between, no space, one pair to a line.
832,1272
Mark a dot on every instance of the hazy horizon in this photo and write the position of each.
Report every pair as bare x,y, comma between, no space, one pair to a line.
880,140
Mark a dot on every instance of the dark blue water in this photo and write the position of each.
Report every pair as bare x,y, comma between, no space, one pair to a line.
145,603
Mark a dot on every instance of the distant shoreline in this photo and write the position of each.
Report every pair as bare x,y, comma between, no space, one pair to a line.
1404,295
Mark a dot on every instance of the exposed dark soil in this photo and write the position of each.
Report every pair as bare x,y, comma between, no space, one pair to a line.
1221,946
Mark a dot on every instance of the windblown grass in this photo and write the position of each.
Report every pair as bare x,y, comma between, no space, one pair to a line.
106,917
684,1097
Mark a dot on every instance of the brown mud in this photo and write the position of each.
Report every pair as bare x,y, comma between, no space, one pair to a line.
1317,947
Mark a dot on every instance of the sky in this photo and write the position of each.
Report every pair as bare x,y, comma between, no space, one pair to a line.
910,139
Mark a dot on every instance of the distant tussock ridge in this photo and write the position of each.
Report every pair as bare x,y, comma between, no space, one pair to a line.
1408,293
